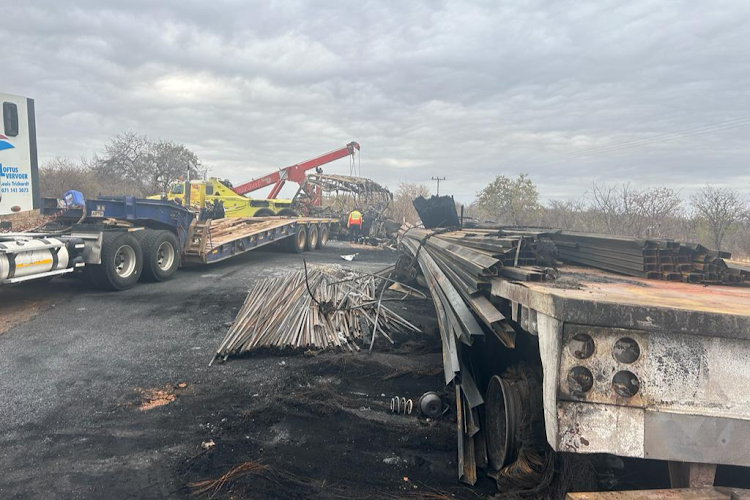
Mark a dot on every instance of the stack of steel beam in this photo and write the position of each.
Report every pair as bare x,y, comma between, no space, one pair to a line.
646,258
458,266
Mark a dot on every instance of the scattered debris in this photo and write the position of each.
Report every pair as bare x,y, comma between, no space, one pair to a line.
316,310
430,404
214,486
153,398
208,444
438,211
401,406
349,257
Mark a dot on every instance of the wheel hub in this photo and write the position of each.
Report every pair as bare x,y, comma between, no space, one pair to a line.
125,261
165,256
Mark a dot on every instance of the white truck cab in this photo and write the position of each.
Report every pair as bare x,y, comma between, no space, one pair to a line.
19,170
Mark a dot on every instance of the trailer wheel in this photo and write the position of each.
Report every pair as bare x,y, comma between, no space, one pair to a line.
161,254
312,240
264,212
502,413
296,243
122,262
322,236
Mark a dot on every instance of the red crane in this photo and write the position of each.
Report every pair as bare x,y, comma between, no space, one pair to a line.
294,173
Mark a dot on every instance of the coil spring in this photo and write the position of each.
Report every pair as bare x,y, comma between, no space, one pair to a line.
401,406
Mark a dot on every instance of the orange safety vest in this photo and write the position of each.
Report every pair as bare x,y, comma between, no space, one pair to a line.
355,218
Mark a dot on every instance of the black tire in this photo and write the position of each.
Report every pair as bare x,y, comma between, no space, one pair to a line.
264,212
161,254
117,249
323,236
297,242
287,212
313,237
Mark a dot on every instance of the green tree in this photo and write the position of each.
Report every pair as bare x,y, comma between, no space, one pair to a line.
510,201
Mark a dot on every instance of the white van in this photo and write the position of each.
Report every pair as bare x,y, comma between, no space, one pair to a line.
19,172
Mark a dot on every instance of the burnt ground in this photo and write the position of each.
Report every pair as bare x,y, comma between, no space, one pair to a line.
109,395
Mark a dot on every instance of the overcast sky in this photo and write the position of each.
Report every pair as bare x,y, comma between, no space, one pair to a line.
462,90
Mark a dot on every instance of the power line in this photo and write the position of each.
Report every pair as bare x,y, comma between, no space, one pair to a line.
688,132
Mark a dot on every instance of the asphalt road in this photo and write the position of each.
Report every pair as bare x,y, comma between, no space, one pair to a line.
72,377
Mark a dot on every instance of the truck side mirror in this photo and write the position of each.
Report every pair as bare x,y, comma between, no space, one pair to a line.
10,119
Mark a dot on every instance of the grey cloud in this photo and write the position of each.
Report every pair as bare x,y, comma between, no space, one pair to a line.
466,90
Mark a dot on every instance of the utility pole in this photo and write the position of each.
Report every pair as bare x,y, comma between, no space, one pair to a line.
438,179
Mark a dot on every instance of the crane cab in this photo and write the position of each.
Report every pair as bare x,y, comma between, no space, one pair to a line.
199,194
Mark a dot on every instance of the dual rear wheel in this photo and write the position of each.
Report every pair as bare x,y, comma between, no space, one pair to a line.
127,257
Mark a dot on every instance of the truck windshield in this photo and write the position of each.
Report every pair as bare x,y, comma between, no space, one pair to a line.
178,189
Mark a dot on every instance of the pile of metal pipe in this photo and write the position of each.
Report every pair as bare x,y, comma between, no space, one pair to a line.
312,310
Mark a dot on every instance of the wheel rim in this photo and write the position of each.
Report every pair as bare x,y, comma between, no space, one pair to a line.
502,410
323,236
125,261
301,239
313,238
165,256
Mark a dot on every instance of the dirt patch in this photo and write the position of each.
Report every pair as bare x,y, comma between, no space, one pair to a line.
154,398
23,302
14,313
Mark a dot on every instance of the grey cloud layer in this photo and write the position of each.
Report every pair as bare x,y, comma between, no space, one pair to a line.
466,90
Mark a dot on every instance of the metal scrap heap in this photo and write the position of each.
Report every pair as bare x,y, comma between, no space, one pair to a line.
458,266
315,310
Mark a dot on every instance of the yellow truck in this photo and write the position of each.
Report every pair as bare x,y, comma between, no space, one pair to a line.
204,194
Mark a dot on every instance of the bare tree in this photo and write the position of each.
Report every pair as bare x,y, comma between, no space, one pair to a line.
628,211
718,209
564,214
60,175
401,209
148,166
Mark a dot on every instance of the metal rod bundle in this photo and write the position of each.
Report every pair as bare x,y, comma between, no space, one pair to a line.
314,310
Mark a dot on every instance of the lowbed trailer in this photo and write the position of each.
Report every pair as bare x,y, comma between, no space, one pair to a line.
120,240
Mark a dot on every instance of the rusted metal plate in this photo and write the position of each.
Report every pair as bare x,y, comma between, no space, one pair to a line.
593,297
675,494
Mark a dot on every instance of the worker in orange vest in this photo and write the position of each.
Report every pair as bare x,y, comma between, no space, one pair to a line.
355,225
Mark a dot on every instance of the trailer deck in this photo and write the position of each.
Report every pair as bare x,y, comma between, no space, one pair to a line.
216,240
592,296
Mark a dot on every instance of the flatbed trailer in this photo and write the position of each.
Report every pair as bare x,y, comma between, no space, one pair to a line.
216,240
632,367
117,241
